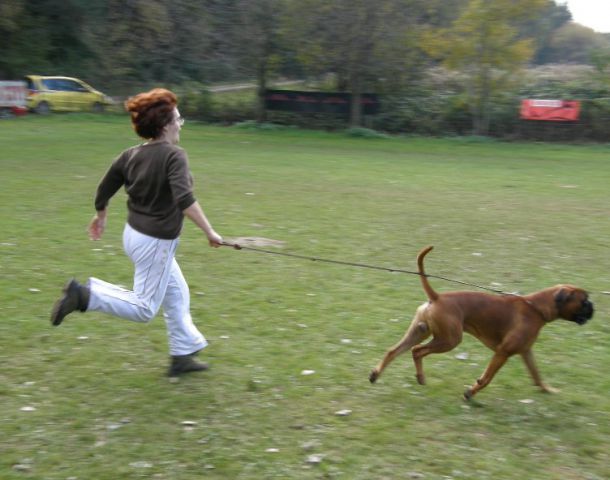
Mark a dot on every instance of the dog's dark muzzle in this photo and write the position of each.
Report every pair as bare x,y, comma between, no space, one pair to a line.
585,313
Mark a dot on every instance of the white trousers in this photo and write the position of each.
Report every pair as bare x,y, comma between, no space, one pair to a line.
158,281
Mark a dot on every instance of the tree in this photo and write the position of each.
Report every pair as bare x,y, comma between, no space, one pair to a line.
485,43
12,13
601,61
259,43
574,43
39,35
366,45
543,26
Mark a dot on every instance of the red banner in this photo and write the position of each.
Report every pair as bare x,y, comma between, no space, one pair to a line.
550,110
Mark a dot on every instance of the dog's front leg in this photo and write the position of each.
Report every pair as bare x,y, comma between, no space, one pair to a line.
497,361
528,358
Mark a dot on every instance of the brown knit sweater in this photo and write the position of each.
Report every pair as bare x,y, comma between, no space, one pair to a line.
159,186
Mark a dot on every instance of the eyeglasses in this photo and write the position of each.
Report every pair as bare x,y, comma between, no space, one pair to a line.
180,121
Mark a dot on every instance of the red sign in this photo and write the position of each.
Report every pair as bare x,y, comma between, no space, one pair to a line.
550,110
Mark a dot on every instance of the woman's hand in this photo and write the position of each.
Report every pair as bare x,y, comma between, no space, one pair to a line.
214,239
97,225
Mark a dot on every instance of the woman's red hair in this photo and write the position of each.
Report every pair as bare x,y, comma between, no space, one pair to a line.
151,111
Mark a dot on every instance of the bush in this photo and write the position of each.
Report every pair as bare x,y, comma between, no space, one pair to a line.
195,101
438,105
596,118
254,125
361,132
318,121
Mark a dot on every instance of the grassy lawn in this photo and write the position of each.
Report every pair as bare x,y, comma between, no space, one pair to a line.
89,400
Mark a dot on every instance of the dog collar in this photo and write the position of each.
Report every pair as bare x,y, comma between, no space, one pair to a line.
535,308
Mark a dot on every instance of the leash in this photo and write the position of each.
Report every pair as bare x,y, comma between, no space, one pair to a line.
362,265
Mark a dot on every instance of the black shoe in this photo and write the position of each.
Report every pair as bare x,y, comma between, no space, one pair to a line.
75,297
185,364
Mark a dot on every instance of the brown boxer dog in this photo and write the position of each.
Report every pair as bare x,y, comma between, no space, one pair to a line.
507,324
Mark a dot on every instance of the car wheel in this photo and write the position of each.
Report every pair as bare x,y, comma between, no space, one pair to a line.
43,108
98,107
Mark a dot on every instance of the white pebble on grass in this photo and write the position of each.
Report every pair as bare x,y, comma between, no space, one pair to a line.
343,413
315,459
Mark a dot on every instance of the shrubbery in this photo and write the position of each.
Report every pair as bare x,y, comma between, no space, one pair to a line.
438,106
195,100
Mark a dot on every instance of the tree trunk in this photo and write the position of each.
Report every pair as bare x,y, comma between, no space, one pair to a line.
355,108
262,88
481,117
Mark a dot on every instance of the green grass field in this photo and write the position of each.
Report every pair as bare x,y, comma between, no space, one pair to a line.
89,400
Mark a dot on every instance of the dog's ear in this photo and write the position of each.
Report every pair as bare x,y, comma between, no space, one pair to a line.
562,296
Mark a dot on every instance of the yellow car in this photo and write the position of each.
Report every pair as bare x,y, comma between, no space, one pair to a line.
63,94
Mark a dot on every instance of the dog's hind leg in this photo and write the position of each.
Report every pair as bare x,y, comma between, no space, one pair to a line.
417,333
447,335
436,345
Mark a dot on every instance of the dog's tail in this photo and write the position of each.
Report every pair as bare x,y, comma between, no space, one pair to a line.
432,295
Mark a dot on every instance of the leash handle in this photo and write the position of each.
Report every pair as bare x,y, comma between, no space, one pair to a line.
232,245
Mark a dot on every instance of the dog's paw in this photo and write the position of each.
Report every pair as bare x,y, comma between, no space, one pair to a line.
547,389
373,376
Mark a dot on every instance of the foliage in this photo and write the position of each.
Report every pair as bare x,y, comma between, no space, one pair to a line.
259,43
484,42
233,107
195,101
361,132
573,43
438,106
386,47
542,27
255,125
125,44
601,61
369,46
89,399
